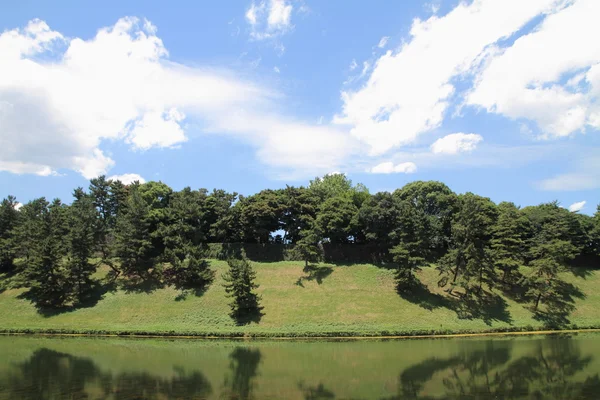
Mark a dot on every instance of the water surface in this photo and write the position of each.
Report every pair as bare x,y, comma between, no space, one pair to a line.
541,367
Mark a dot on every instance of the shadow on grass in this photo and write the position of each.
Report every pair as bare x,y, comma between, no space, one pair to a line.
419,294
581,272
95,293
486,306
319,392
141,284
185,293
314,273
249,315
560,306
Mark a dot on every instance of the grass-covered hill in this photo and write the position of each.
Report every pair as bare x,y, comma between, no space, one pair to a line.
332,300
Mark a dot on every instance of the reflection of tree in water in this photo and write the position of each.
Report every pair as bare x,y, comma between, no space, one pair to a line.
52,375
547,373
244,368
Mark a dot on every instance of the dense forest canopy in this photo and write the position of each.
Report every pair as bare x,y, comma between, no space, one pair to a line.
141,230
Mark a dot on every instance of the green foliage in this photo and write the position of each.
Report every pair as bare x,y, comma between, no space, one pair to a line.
9,219
81,221
338,185
378,217
308,247
133,243
468,263
46,270
551,249
187,269
240,285
259,215
334,219
438,204
507,244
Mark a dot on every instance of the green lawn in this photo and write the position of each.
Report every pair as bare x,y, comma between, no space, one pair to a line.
352,300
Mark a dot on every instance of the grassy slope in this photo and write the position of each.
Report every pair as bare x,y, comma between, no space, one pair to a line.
357,299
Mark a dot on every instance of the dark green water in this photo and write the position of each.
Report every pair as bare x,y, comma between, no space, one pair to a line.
545,367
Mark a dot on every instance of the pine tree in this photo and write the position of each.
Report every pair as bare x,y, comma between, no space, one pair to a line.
46,270
82,219
9,219
308,247
240,285
412,252
543,283
187,269
132,244
508,240
468,263
551,251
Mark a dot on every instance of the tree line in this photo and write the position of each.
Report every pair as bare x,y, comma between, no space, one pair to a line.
148,230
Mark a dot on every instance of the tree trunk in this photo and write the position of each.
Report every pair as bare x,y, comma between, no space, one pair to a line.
537,301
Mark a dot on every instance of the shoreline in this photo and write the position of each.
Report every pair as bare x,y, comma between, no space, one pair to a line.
295,336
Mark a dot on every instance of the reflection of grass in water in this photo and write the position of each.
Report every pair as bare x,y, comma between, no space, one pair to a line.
354,299
300,369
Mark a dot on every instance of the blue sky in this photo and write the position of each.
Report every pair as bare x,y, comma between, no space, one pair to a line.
498,97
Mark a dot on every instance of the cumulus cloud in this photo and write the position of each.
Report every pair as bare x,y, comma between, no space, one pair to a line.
409,91
269,19
389,168
550,75
18,206
127,179
456,143
60,99
119,85
575,207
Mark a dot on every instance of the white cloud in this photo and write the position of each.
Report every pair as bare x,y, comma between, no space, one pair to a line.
543,75
456,143
127,179
353,65
585,173
18,206
575,207
269,19
276,70
408,92
58,107
383,41
118,85
389,168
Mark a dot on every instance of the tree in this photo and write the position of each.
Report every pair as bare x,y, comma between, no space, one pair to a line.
551,249
411,253
378,219
299,211
260,215
82,219
508,240
308,247
438,204
9,219
334,219
100,193
469,258
187,269
550,259
27,232
133,245
46,270
240,285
